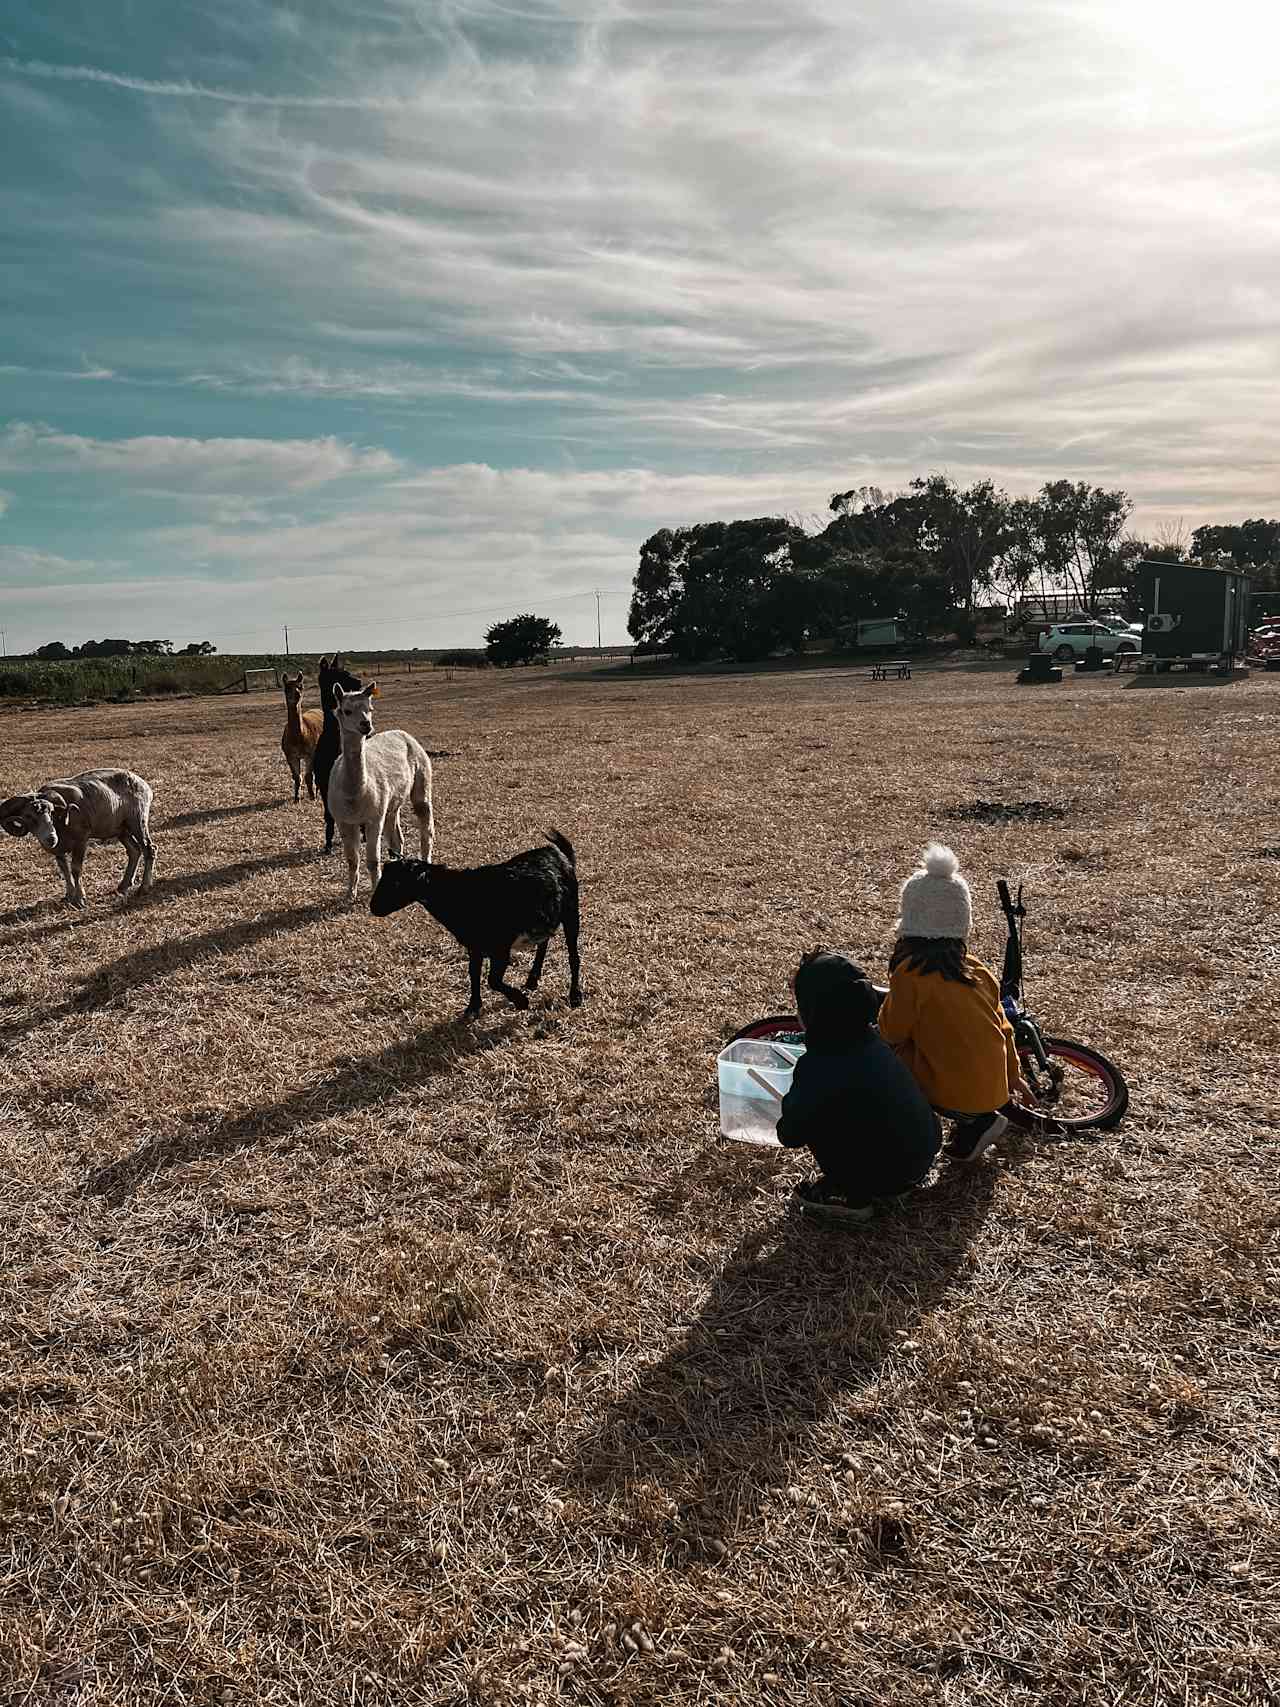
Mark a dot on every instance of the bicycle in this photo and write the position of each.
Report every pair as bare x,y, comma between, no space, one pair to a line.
1073,1088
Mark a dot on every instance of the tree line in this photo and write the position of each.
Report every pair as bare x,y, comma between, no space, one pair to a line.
54,649
521,640
930,556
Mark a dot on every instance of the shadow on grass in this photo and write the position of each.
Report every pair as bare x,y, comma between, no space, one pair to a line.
1153,680
353,1084
161,960
213,814
54,905
64,919
798,1319
221,876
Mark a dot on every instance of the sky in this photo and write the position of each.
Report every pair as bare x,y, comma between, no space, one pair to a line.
386,319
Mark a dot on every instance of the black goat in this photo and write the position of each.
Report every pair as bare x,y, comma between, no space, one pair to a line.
493,909
333,673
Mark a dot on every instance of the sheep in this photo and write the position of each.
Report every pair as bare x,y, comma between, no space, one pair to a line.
372,778
333,673
302,730
495,909
99,806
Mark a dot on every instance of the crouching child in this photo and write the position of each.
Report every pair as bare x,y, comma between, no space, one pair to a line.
943,1014
852,1102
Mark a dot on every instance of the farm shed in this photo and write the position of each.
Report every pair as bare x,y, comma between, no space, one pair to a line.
1193,614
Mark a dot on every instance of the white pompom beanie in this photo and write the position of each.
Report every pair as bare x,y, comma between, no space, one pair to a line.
935,898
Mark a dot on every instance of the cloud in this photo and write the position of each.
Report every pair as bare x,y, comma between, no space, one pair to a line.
183,89
292,464
478,295
87,371
828,223
296,376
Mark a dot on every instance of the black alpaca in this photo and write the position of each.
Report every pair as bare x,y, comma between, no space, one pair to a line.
333,673
493,909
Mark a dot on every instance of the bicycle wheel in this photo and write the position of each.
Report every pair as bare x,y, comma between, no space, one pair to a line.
1089,1093
763,1029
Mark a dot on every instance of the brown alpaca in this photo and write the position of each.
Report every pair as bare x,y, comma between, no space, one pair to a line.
301,732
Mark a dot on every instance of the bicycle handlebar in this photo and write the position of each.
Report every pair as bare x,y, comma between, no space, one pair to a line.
1011,981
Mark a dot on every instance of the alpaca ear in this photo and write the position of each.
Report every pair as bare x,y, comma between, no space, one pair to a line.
339,694
372,690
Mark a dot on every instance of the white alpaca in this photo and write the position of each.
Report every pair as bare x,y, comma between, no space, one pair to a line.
372,778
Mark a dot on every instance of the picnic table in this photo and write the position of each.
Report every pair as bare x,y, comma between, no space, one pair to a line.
897,668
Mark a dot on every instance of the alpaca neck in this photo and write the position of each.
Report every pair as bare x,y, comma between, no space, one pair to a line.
293,718
353,755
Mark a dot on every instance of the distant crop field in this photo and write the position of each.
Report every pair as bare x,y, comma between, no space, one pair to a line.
79,681
85,681
352,1354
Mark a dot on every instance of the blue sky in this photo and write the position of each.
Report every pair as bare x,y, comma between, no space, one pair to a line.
356,316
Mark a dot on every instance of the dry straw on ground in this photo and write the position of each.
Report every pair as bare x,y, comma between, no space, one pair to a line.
349,1354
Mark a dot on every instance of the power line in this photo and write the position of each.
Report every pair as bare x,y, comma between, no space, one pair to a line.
484,610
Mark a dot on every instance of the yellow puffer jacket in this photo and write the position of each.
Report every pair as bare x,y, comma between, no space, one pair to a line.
954,1037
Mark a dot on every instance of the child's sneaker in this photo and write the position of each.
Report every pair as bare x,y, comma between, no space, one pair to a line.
827,1202
972,1138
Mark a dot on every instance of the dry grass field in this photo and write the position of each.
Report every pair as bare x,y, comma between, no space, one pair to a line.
350,1354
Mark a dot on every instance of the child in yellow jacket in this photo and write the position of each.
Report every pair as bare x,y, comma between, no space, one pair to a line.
943,1013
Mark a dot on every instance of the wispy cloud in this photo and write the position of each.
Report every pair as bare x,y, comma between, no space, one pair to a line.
233,463
88,370
184,90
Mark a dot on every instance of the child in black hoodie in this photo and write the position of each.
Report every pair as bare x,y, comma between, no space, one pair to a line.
852,1101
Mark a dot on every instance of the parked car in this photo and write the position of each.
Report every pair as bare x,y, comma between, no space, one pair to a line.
1070,640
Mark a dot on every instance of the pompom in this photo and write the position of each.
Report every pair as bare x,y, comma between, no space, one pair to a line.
940,861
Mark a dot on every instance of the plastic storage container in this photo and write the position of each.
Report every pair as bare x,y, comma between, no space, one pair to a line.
748,1112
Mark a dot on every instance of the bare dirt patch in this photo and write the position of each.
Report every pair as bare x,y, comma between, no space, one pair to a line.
1006,812
349,1353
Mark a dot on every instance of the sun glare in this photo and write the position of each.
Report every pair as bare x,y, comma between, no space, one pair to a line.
1220,60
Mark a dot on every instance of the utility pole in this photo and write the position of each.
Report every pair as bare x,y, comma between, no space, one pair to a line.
286,639
4,642
599,647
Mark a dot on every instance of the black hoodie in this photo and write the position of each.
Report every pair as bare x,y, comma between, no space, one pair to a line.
852,1102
